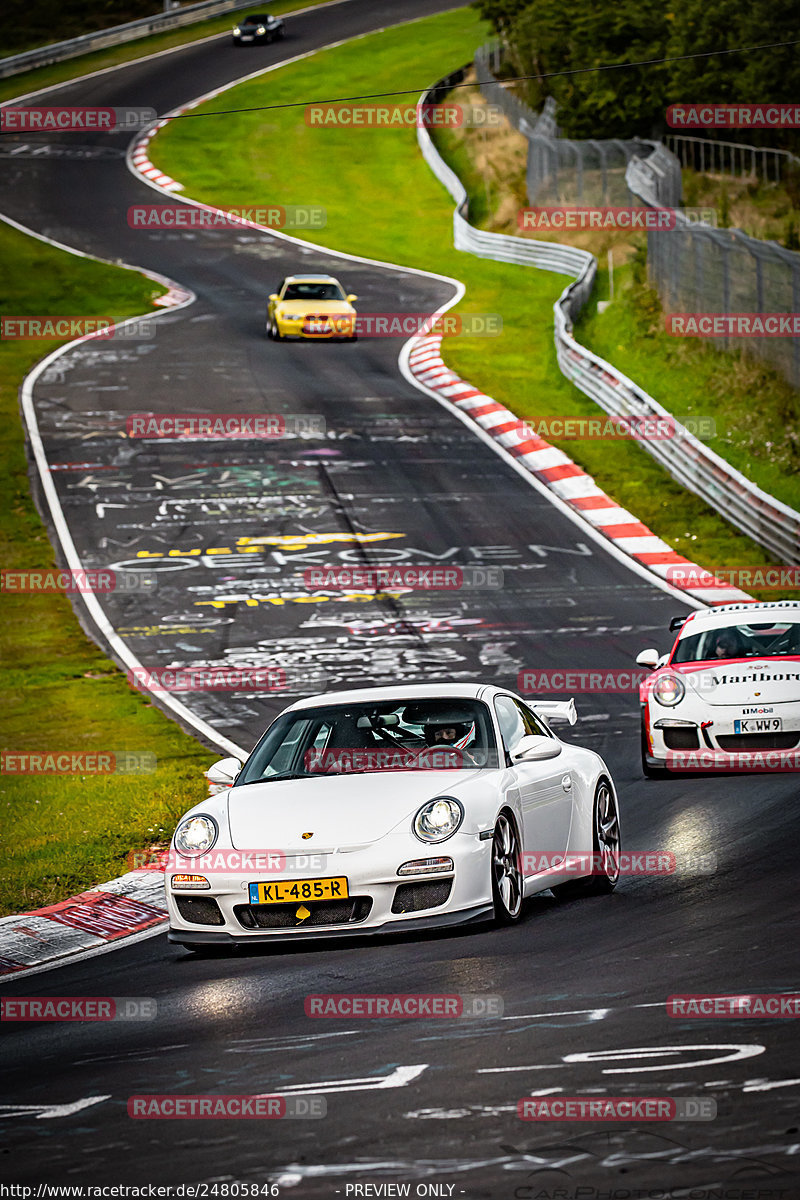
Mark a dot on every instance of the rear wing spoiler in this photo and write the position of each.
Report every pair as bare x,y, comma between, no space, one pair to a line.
556,710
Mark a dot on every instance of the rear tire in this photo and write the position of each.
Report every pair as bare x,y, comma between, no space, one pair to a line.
606,843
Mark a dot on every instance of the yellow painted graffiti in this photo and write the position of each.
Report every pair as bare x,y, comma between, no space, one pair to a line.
288,541
344,597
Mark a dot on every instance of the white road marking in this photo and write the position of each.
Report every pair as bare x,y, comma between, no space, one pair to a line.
594,1014
768,1085
399,1077
599,1056
48,1112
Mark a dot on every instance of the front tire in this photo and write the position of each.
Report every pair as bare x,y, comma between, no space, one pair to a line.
606,842
506,872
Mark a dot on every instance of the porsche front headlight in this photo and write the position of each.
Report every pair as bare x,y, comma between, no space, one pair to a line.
236,31
196,835
438,820
261,29
669,690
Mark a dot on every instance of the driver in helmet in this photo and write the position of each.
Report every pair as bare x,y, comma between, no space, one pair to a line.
441,732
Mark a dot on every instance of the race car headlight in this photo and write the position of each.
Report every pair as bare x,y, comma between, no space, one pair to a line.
669,690
196,835
291,316
261,29
438,820
236,31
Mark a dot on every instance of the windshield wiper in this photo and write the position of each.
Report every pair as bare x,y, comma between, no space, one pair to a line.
287,775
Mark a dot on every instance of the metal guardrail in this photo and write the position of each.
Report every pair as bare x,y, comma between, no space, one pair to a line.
550,256
43,56
762,517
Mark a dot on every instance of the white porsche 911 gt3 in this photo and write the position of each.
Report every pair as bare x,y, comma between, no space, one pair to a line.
390,809
727,696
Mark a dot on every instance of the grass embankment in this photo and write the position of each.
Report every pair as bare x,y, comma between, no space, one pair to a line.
383,201
755,412
42,77
61,834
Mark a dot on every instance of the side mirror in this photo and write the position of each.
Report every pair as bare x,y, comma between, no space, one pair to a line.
273,296
533,747
351,298
648,658
222,775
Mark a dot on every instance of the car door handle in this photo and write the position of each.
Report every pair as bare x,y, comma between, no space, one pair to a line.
566,783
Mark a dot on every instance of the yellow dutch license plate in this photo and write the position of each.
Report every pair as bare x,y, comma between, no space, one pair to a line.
288,891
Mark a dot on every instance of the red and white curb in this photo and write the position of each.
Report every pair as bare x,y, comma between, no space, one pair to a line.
559,473
141,160
133,904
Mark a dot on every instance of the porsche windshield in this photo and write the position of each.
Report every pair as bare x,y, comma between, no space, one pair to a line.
762,639
407,735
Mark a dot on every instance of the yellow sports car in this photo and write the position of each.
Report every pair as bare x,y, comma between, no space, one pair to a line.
311,306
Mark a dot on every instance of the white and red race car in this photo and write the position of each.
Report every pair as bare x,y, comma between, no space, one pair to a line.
727,696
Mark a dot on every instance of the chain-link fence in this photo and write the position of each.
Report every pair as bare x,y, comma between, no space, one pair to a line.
560,171
694,268
699,270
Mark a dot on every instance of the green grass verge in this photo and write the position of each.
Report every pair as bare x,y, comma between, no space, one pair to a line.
61,834
761,439
383,201
73,68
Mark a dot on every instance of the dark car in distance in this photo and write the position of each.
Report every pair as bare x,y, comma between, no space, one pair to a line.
256,29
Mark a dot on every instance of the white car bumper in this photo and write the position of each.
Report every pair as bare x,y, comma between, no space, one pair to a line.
379,900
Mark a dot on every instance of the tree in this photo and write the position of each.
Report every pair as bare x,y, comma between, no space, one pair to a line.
565,46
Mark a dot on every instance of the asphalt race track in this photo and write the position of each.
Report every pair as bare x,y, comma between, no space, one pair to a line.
395,478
